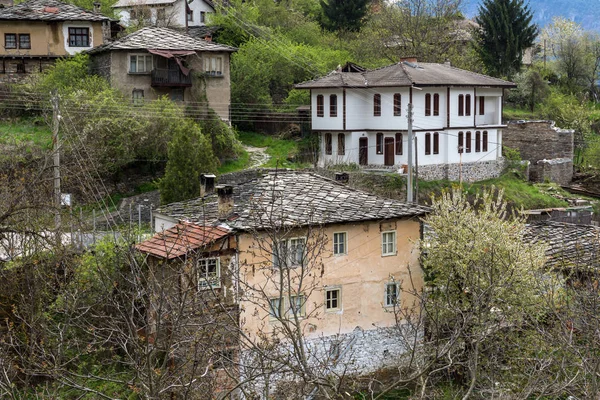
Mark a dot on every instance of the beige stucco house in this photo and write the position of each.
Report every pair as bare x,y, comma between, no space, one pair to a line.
331,262
155,61
37,32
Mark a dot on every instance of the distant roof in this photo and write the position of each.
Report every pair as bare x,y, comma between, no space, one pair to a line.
405,74
137,3
181,239
570,246
49,10
160,39
292,198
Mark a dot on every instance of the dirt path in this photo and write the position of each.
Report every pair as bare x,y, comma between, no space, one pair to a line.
258,156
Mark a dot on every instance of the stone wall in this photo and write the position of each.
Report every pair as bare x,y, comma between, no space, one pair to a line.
10,72
360,352
468,172
101,64
541,140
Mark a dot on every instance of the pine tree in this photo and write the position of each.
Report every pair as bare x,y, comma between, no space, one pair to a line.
343,15
505,31
190,154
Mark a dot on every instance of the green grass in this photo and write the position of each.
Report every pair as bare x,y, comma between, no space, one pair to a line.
282,151
512,113
518,193
26,132
243,161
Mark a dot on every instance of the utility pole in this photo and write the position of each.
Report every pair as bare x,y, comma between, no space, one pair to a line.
416,172
409,180
56,159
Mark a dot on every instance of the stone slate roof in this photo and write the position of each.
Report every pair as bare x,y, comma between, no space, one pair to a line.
49,10
292,198
160,39
181,239
405,74
570,246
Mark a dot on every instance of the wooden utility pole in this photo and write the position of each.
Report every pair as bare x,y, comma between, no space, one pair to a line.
409,180
416,172
56,158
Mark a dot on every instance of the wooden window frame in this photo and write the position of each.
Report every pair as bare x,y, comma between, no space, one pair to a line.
436,143
13,39
27,44
468,105
333,105
206,282
379,143
461,105
341,144
484,144
427,143
385,243
481,105
399,145
275,308
461,143
468,142
397,104
328,143
320,105
145,57
391,299
213,65
137,100
329,300
336,243
377,105
79,36
436,104
477,141
291,310
427,104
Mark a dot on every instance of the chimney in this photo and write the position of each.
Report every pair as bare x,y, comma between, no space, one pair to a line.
342,177
207,184
225,200
97,7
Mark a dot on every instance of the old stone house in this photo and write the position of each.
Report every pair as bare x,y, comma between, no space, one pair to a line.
155,61
37,32
312,253
166,13
361,117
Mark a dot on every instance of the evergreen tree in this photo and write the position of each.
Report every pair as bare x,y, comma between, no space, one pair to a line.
505,31
343,15
190,154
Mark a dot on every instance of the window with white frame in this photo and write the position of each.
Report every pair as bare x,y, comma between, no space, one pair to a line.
297,306
213,65
140,63
392,292
340,243
289,253
275,307
333,299
388,243
209,273
137,96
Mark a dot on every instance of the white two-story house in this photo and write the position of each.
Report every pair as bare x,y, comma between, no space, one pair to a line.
362,117
164,13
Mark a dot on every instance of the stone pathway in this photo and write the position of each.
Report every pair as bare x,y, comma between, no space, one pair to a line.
258,156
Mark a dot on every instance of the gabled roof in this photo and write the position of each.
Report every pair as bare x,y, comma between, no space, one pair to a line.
292,198
405,74
49,10
160,39
570,246
181,239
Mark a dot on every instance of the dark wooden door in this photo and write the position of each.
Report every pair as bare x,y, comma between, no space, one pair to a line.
363,151
388,150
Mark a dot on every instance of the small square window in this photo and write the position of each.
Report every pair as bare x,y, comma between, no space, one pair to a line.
297,306
333,298
275,308
24,41
79,37
137,96
140,64
213,66
392,292
388,243
296,251
339,243
209,273
10,41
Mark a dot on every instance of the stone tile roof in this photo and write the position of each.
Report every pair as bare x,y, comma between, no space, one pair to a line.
137,3
49,10
160,39
292,198
570,246
405,74
181,239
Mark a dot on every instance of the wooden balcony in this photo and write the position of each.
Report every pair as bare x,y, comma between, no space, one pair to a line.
170,78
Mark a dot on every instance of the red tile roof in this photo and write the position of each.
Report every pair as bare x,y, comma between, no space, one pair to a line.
181,239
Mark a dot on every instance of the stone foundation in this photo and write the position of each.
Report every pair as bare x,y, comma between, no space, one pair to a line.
359,352
469,172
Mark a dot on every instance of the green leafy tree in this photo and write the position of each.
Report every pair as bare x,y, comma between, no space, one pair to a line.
344,15
505,31
190,154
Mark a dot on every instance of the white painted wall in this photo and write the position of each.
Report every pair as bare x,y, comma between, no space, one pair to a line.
327,122
359,109
175,13
77,24
162,223
420,120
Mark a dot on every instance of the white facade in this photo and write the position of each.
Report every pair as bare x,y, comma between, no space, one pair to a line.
168,14
360,131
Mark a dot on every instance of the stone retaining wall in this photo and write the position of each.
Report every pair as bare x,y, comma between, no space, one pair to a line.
469,172
559,170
